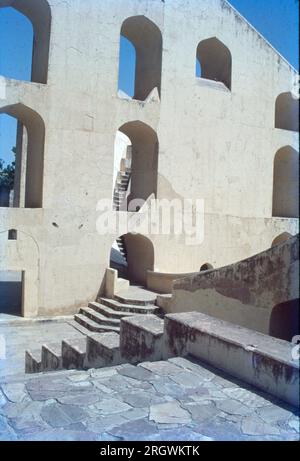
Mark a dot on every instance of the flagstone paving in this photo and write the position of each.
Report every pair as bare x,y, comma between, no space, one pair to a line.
177,399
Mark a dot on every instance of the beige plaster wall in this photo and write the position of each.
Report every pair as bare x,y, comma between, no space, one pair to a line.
213,144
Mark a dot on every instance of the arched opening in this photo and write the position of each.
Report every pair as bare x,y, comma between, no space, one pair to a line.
39,14
146,61
286,183
206,267
11,294
118,257
287,112
133,255
281,238
140,179
16,43
284,320
214,61
122,171
12,234
27,183
19,274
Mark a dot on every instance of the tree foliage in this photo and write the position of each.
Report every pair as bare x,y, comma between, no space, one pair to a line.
7,173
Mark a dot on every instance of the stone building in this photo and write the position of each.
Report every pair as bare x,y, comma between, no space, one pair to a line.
227,136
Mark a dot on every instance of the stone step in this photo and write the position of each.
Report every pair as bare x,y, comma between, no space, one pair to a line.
33,362
51,357
93,326
123,182
73,353
99,318
79,327
107,311
119,194
136,301
103,350
141,338
134,309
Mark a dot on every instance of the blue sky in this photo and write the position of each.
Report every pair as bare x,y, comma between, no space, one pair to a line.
277,20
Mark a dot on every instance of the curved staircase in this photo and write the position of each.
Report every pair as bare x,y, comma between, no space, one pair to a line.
105,314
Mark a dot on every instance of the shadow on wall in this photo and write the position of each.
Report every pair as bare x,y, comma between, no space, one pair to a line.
284,320
144,163
287,112
132,255
286,183
215,61
140,257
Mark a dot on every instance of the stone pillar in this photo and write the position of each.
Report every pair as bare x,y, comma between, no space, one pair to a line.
20,171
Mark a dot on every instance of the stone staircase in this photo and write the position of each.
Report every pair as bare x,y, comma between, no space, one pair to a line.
103,318
257,359
96,350
121,188
105,314
122,248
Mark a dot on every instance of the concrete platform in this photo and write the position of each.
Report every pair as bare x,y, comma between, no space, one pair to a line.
22,335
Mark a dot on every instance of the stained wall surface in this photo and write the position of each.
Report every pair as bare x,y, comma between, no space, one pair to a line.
261,292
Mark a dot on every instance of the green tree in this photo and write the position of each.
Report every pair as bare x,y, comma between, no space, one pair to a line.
7,173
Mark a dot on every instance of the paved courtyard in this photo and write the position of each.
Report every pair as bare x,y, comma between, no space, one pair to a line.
21,334
178,399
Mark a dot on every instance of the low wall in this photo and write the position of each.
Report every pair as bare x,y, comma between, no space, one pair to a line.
163,283
260,293
259,360
113,284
